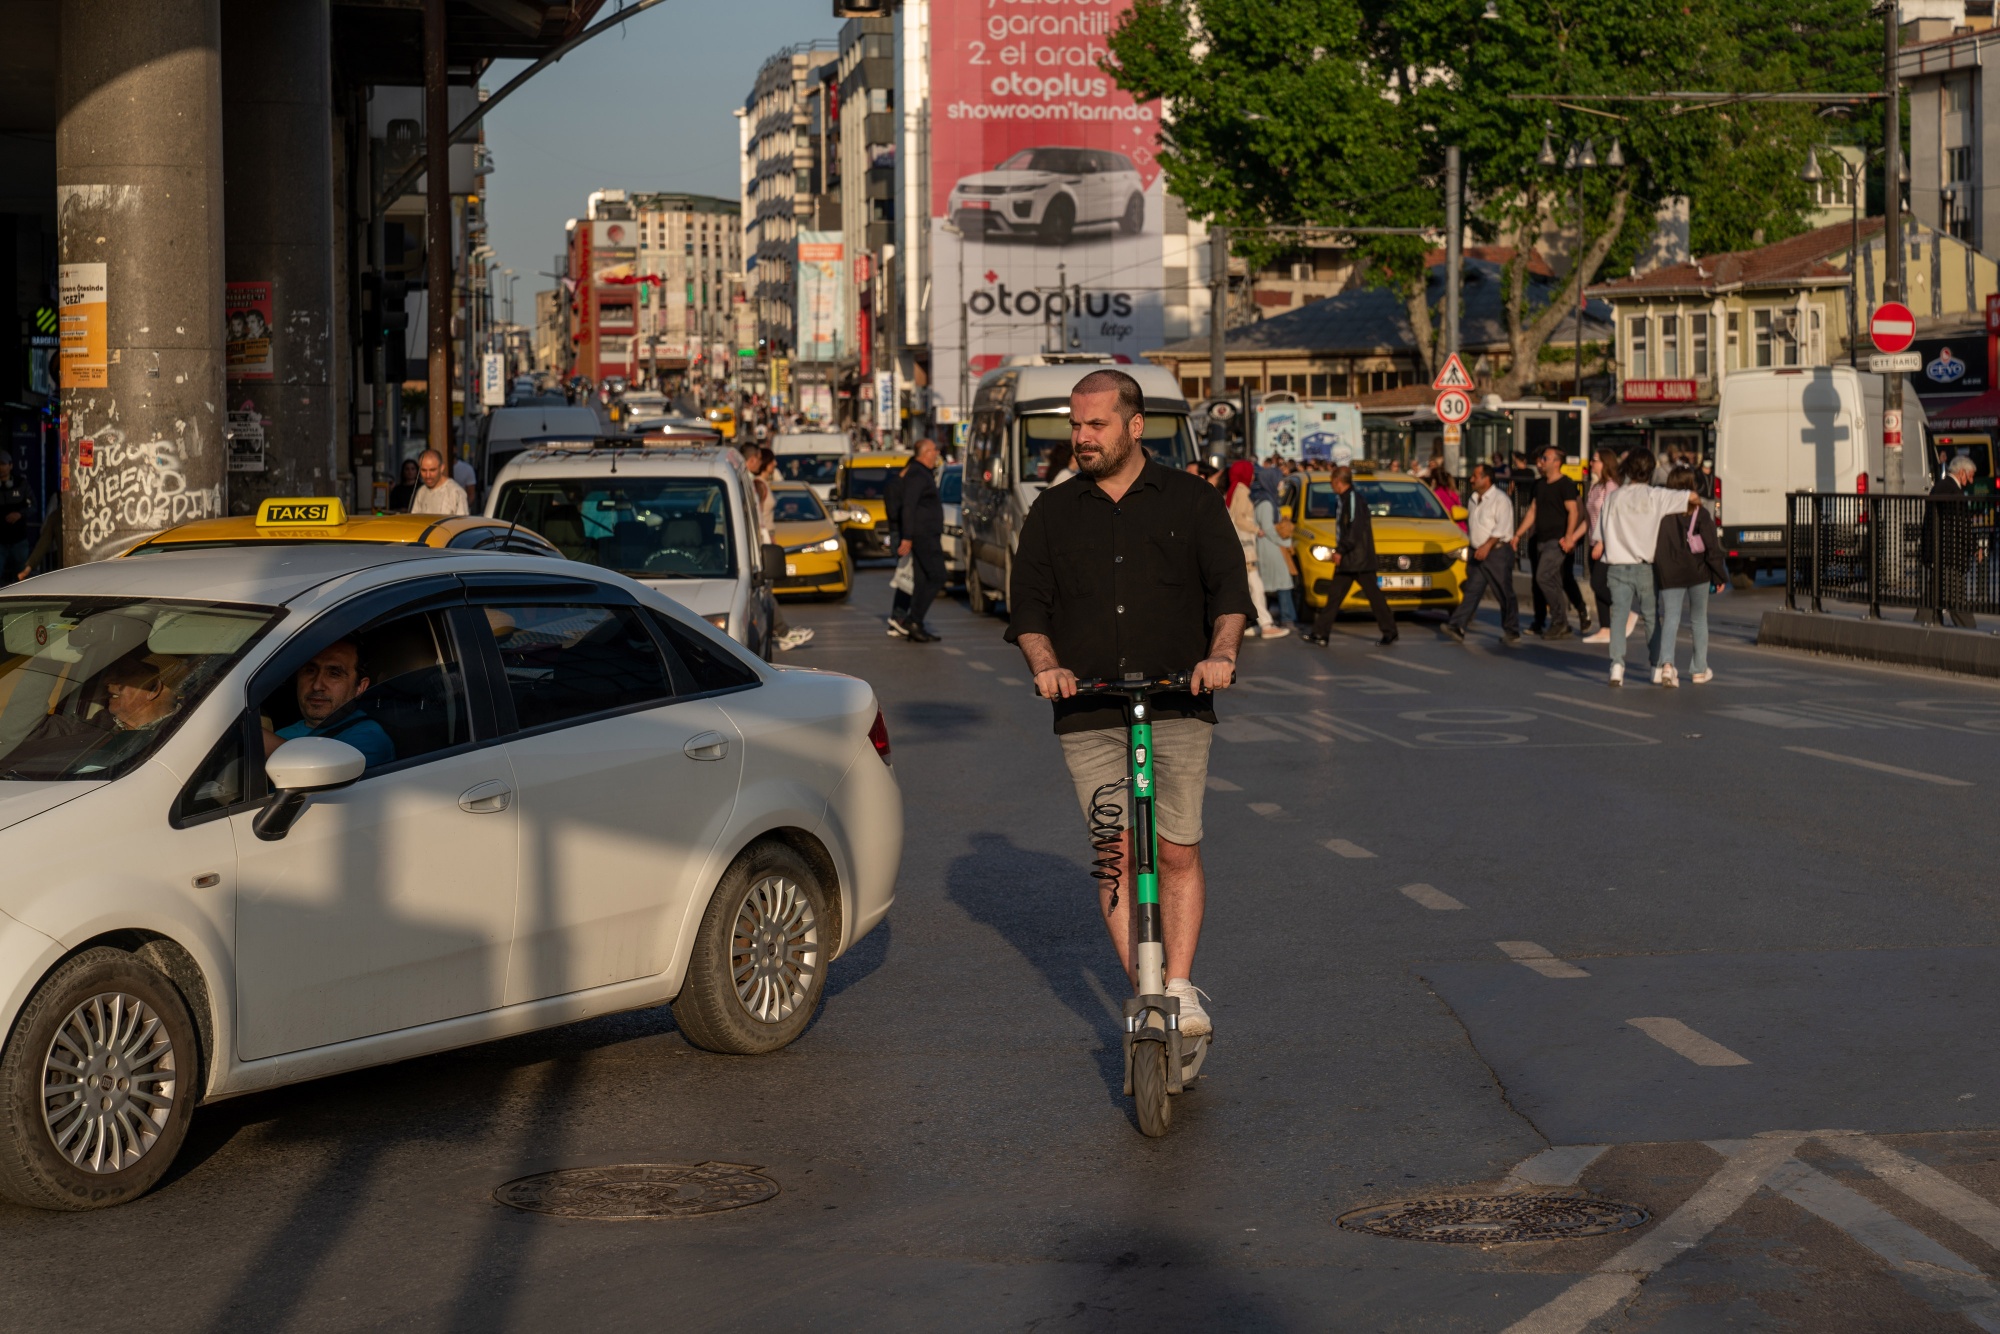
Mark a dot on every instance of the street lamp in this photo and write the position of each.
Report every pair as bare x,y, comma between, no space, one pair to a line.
1852,173
1578,158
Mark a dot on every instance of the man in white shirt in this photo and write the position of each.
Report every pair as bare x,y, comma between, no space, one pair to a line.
1490,530
436,493
468,481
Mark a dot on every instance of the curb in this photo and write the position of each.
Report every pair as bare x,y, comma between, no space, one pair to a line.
1964,652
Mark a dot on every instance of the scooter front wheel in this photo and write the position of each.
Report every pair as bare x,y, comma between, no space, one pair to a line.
1149,1088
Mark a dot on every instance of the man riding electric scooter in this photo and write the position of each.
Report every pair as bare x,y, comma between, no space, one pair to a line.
1128,576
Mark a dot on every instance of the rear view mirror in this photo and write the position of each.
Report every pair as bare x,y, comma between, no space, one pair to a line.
774,561
299,768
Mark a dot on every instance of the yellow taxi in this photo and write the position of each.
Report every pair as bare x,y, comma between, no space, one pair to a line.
816,560
862,488
301,519
724,420
1420,549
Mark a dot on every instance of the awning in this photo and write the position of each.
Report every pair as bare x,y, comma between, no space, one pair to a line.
1979,410
1651,414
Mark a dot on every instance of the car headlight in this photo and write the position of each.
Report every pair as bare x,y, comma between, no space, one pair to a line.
830,544
1463,553
1322,553
720,621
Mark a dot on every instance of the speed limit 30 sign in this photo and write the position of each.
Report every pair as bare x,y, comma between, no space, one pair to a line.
1453,406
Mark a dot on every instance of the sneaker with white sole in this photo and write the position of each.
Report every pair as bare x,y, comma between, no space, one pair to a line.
1660,675
1670,678
897,630
792,639
1194,1020
1618,673
1598,637
1702,678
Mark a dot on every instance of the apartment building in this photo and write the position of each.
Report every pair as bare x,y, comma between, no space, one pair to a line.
782,173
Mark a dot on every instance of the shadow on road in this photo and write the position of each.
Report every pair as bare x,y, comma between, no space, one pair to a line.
1046,907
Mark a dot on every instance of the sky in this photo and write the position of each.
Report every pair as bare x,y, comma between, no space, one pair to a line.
643,107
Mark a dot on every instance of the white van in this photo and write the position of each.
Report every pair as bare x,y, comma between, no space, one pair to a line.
1813,428
813,457
505,432
678,518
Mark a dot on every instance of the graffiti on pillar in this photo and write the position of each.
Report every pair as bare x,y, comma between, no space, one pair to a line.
126,488
247,345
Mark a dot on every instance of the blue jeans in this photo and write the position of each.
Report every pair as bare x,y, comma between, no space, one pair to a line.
1632,590
1671,601
1285,610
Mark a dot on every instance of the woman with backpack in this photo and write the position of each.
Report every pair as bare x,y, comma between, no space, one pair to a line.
1688,561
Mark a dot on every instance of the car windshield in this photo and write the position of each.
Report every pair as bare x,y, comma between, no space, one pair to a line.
645,527
869,483
90,686
1386,500
795,507
948,484
1166,435
818,469
1060,160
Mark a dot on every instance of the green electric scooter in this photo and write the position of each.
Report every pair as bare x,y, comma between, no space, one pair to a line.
1159,1062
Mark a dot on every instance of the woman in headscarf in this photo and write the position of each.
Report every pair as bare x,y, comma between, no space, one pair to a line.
1272,566
1242,475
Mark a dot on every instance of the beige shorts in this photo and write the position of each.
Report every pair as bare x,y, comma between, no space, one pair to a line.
1180,773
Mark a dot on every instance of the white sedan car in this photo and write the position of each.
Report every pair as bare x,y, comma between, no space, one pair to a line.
270,813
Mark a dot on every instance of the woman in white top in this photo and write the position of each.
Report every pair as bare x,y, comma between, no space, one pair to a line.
1630,528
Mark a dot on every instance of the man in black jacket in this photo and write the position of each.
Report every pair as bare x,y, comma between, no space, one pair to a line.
1951,498
920,523
1353,562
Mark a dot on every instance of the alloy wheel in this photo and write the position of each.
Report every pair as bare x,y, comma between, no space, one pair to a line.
774,950
108,1083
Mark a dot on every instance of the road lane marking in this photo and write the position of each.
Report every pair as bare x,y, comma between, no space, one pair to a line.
1270,810
1678,1038
1748,713
1415,666
954,651
1750,1164
1530,955
1926,1185
1221,785
1562,1165
1431,897
978,666
1586,704
1907,1250
1917,774
1010,680
1346,849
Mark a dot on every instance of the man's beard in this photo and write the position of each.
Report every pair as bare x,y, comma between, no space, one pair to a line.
1111,457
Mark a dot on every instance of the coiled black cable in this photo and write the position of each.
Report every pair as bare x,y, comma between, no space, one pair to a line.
1107,833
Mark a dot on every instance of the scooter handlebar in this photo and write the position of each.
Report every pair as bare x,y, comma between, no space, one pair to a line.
1145,686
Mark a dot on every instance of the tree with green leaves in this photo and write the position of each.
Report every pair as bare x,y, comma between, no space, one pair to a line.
1336,113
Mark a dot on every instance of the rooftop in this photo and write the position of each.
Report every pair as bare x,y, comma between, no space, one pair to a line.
1802,260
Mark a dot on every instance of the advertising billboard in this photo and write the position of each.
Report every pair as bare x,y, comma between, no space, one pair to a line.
822,313
1313,433
1047,208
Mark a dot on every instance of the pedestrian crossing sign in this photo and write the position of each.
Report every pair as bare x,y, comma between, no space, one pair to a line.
1452,376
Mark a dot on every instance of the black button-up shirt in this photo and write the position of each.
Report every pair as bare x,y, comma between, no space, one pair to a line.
1131,586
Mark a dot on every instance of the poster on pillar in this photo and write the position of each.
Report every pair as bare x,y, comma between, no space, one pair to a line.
83,311
250,327
1047,207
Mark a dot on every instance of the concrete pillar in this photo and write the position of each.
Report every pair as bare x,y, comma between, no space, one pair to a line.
277,141
139,192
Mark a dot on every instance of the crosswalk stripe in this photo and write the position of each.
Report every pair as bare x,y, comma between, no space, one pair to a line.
1530,955
1926,1185
1678,1038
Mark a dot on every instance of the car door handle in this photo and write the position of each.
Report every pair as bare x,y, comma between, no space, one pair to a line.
486,799
706,746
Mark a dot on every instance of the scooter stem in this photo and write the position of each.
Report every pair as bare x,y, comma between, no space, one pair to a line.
1151,954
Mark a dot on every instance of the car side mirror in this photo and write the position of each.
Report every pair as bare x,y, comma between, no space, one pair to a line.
774,561
299,768
1459,513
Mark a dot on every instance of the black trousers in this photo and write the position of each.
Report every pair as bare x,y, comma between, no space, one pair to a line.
1371,588
1496,573
1569,588
927,559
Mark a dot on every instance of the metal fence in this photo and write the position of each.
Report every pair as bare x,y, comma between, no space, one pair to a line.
1929,553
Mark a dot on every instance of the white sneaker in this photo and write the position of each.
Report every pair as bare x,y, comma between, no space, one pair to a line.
1273,632
1618,673
1670,678
1194,1020
1659,675
792,639
897,630
1702,678
1598,637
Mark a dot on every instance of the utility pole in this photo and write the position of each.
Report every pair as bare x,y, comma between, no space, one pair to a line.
1892,246
1218,314
1454,262
437,232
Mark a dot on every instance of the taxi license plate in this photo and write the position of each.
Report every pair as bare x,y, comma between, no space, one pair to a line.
791,567
1406,581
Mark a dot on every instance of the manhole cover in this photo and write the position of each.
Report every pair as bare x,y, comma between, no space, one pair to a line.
1496,1218
640,1190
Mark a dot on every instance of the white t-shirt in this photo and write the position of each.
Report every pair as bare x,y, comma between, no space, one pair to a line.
446,498
462,473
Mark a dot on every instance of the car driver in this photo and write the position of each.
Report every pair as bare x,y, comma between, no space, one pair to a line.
326,686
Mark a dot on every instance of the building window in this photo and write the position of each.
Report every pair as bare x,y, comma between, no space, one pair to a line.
1733,352
1670,347
1329,386
1833,188
1958,192
1815,338
1760,324
1639,365
1698,338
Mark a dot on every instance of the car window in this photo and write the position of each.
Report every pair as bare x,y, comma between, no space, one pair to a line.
949,484
1385,500
394,690
818,469
869,483
566,661
795,507
646,527
1061,161
709,666
220,782
90,686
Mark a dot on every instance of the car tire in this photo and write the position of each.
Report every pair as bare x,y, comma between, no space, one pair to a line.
975,591
119,1021
1134,220
1058,221
759,963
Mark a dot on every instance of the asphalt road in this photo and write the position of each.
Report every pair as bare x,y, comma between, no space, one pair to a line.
1478,922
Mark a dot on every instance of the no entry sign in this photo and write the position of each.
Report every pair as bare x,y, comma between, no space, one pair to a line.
1892,328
